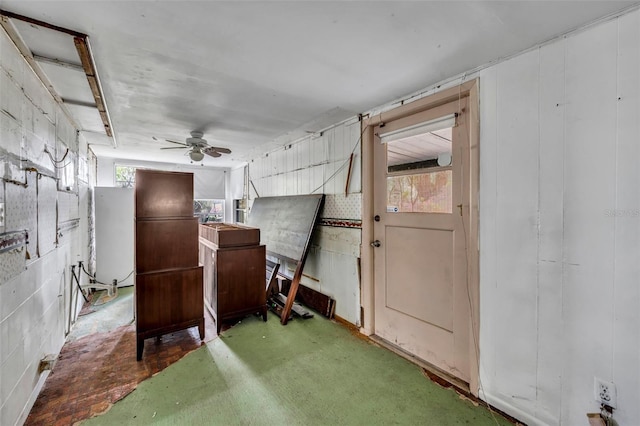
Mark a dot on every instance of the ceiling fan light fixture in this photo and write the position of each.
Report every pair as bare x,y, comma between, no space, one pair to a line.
196,154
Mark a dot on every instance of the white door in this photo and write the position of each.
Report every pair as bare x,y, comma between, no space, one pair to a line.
421,283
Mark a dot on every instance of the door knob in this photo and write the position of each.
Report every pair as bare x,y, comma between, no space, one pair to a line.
377,218
376,243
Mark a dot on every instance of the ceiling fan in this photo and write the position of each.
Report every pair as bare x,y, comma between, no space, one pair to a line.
199,147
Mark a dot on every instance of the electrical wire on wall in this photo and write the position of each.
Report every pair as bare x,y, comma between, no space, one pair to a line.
56,163
346,162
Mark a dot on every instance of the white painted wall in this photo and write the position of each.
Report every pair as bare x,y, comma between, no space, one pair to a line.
208,182
236,189
319,164
37,297
559,222
560,226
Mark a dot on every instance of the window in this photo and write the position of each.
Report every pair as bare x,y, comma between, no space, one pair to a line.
419,172
208,210
125,176
240,208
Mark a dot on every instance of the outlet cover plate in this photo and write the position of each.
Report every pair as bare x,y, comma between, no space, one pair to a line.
604,392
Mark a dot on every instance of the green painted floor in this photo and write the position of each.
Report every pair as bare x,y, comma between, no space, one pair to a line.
309,372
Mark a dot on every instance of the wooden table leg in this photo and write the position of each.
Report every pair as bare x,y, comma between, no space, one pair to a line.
201,328
140,348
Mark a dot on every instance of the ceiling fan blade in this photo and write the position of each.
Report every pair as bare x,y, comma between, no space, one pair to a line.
175,147
221,150
211,152
179,143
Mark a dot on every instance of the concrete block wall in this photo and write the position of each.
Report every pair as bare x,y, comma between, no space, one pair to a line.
37,298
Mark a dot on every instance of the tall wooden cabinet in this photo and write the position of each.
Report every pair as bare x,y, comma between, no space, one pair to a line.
168,287
234,271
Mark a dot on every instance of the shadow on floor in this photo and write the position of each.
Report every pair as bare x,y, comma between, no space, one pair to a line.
312,372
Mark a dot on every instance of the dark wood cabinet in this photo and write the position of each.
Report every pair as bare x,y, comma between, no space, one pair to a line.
168,287
234,271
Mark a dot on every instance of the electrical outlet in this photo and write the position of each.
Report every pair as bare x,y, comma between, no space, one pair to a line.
604,392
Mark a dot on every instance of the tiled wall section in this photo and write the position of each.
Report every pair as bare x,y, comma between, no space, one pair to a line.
320,164
35,290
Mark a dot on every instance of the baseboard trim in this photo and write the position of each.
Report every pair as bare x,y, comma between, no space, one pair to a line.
512,411
435,374
32,398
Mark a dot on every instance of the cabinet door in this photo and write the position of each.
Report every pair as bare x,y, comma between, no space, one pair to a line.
163,194
240,279
168,299
166,244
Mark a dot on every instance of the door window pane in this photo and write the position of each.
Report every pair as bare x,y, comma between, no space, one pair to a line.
428,189
432,149
420,193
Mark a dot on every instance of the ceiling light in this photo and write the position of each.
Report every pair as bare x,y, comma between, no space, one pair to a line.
196,154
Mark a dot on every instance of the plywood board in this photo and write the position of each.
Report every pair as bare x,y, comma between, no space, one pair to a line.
286,223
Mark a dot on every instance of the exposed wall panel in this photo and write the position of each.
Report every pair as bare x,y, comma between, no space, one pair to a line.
11,99
21,207
550,340
590,129
10,133
517,218
570,157
46,215
32,293
68,207
489,300
626,290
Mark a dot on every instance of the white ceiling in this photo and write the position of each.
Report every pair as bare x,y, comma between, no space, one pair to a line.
247,73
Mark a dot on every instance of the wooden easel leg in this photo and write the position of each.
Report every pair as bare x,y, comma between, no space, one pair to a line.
291,297
264,313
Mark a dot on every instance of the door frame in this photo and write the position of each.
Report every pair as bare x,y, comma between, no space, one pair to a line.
468,90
